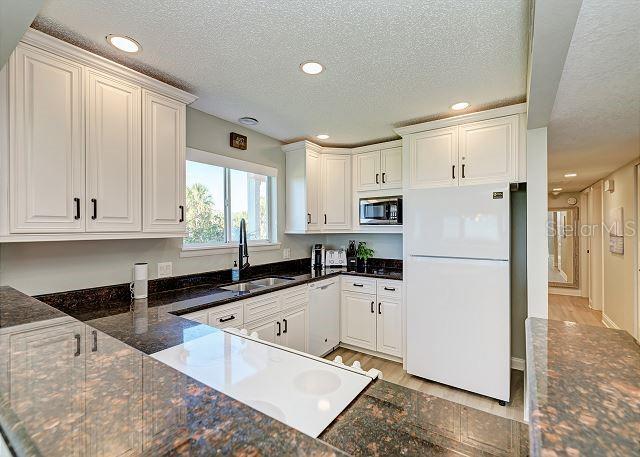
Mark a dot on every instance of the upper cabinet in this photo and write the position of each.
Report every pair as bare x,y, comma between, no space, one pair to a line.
164,163
380,168
318,194
483,152
95,150
46,143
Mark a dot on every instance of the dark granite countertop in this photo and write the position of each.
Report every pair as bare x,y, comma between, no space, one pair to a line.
584,390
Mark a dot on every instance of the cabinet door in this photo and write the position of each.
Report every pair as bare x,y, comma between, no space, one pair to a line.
294,329
40,398
199,316
163,149
313,169
268,330
488,151
47,143
434,158
114,155
114,378
368,171
358,322
336,191
391,167
389,327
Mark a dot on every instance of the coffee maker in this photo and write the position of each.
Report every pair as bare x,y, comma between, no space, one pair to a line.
352,260
317,256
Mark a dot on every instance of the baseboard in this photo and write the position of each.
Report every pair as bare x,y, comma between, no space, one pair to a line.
565,291
517,363
370,352
606,320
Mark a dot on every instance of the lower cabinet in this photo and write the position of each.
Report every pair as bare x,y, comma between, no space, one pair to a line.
294,329
268,330
372,320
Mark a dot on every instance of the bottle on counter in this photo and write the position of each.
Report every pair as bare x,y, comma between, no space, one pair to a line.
235,271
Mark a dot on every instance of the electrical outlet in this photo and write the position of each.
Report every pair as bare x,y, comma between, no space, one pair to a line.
165,269
286,253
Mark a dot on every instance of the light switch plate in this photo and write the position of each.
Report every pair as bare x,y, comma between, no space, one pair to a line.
165,269
286,253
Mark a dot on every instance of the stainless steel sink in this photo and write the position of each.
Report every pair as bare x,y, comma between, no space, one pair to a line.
270,282
243,287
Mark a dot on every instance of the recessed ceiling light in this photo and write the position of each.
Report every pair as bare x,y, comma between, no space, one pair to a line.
570,175
124,43
311,68
322,136
248,120
557,189
459,106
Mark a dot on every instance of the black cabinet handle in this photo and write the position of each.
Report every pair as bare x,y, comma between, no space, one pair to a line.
95,208
463,170
390,289
358,285
279,329
226,319
379,308
94,346
383,175
372,303
285,326
77,337
325,218
181,213
77,203
308,218
453,172
377,178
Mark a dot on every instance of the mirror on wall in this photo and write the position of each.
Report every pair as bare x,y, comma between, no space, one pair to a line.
564,250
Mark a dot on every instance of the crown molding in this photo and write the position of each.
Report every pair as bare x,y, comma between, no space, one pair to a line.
378,146
61,48
519,108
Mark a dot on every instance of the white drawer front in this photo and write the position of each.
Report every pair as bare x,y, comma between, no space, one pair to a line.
261,307
198,316
390,289
359,284
230,316
294,297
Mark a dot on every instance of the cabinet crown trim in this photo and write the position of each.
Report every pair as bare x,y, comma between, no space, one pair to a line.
377,146
519,108
56,46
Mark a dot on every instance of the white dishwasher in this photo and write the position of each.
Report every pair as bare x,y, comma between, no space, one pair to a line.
324,316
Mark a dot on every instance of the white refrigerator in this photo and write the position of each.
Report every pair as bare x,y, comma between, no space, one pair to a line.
457,243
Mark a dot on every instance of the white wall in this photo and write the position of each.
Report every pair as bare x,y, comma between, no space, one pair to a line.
15,18
537,268
51,267
386,246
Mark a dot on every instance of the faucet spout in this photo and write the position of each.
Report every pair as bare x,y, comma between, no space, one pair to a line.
243,246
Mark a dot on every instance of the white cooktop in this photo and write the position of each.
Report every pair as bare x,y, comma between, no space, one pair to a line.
302,391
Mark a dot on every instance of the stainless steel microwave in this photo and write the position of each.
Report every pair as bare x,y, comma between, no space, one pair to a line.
381,211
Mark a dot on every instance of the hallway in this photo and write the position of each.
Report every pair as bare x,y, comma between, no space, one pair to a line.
573,309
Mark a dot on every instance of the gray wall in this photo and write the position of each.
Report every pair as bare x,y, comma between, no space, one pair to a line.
386,246
15,18
518,271
51,267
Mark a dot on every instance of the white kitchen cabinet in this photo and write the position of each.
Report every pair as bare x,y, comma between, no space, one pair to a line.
488,151
391,168
198,316
433,160
358,320
294,329
226,316
269,329
113,154
303,181
30,389
336,191
389,326
164,163
47,169
378,169
367,171
121,396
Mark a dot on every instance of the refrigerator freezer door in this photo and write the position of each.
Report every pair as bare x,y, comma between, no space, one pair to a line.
458,323
464,222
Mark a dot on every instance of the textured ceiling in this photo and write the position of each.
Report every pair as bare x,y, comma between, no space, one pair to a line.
595,122
387,62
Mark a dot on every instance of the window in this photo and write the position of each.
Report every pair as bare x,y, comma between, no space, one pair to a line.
220,192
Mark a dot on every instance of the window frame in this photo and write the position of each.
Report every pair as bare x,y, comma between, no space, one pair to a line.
228,164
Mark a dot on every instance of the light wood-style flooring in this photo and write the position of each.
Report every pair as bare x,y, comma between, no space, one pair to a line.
393,372
573,309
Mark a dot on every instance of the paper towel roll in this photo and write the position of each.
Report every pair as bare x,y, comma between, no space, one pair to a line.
139,286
